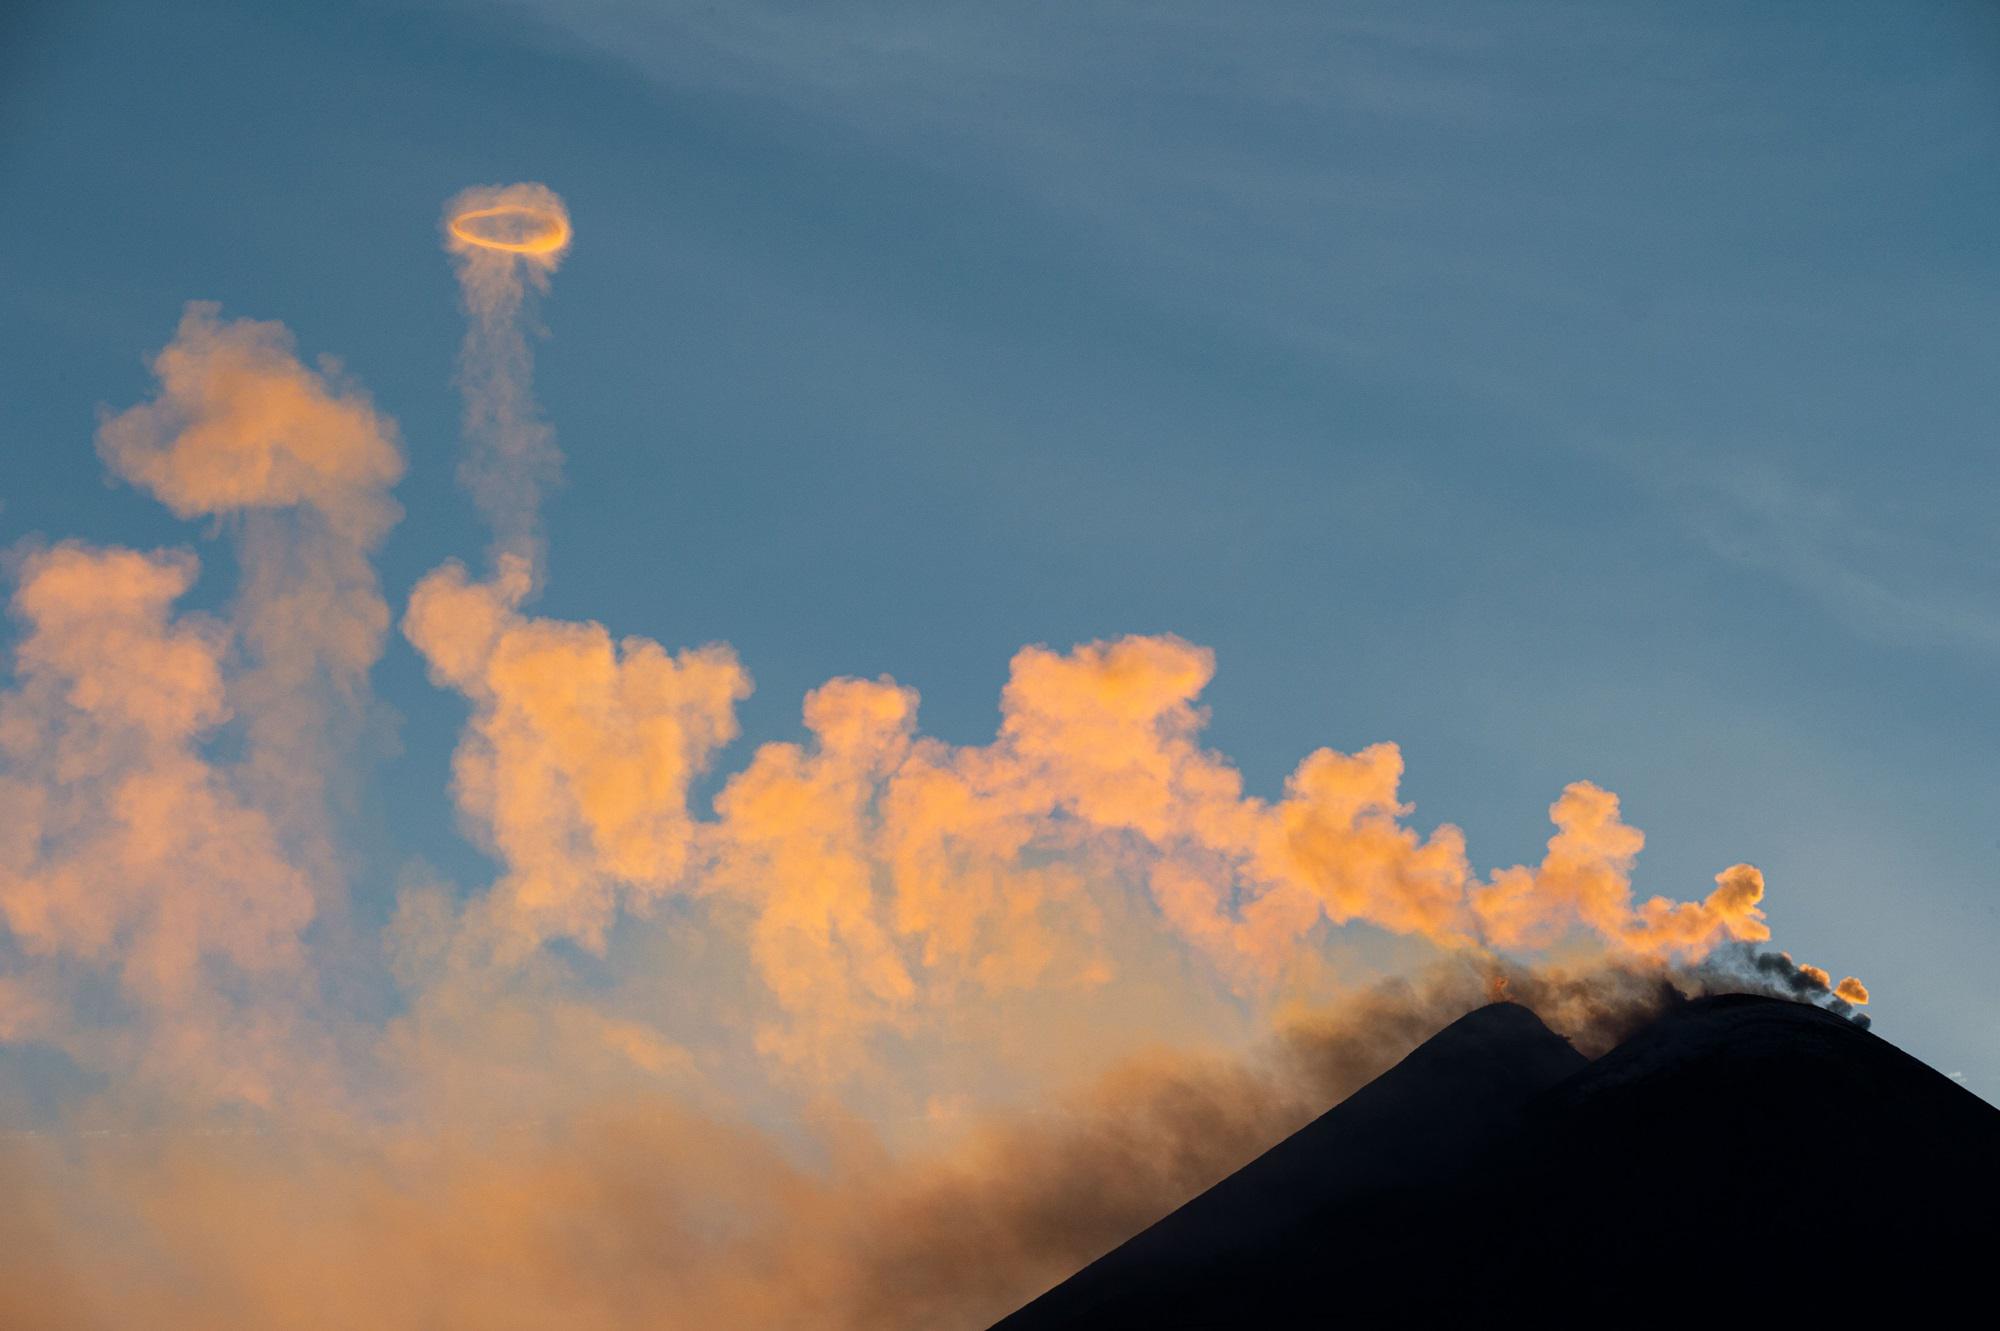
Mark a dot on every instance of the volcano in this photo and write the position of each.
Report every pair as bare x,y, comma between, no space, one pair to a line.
1739,1147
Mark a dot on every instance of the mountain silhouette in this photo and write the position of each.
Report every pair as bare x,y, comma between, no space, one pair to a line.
1739,1147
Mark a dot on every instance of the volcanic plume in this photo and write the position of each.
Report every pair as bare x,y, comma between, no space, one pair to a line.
684,1059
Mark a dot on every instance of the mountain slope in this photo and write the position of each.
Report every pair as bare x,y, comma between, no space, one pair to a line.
1762,1143
1737,1146
1451,1099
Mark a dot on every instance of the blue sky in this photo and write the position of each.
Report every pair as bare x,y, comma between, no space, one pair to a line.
1560,392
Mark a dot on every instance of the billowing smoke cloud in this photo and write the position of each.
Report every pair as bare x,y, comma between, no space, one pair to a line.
577,761
303,464
639,1213
891,1032
889,876
127,849
505,241
124,851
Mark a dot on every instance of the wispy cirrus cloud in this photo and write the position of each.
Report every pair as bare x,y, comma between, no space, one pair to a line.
1910,578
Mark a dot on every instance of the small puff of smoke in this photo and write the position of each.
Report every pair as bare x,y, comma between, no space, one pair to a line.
1741,969
240,423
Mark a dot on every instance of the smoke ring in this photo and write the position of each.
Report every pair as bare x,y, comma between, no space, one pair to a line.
550,235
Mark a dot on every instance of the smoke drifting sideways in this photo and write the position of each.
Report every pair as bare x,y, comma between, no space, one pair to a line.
1786,978
893,1033
640,1211
505,241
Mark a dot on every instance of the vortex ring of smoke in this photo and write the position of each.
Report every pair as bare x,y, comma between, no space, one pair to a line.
551,236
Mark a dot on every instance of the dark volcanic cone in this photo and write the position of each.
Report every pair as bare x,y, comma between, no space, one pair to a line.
1737,1146
1419,1125
1744,1143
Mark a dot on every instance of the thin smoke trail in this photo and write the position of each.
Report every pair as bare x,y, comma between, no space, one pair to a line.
505,241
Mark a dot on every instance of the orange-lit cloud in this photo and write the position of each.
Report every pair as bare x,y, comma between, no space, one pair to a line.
576,763
241,425
890,876
128,849
302,464
641,1212
122,849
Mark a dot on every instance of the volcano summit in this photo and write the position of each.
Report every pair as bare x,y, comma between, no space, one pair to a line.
1736,1147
